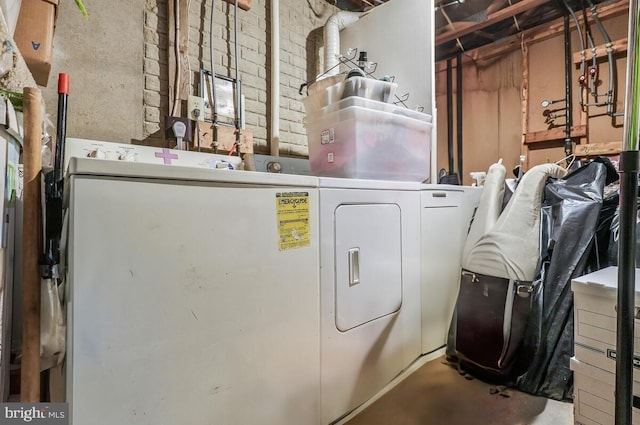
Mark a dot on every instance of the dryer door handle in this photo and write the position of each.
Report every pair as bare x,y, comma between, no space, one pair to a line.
354,266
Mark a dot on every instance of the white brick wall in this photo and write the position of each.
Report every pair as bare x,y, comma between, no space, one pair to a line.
300,39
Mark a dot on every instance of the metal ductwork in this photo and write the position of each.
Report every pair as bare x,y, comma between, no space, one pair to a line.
332,28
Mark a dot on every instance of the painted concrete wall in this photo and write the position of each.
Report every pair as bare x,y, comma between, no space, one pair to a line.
117,60
103,57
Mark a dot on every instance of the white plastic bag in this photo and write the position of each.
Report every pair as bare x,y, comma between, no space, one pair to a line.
52,324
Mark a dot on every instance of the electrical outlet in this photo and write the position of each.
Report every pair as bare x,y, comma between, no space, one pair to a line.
195,106
168,130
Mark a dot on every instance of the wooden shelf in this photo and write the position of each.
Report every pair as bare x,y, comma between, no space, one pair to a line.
598,149
617,47
555,134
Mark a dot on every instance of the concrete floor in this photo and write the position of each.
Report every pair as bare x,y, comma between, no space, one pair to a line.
436,394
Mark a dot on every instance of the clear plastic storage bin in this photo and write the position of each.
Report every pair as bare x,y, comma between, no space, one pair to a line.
368,88
357,142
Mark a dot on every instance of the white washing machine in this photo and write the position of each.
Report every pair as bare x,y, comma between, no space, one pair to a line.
192,293
369,288
446,212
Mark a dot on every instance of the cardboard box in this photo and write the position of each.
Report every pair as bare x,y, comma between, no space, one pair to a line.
34,36
594,395
595,318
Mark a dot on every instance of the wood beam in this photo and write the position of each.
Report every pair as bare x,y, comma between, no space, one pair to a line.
183,56
557,26
533,35
493,18
618,46
525,104
226,138
554,134
485,34
597,149
244,4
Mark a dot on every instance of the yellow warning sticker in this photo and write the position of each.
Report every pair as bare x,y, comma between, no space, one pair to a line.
293,219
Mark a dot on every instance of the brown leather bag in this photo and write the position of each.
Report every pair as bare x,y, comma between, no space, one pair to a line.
491,318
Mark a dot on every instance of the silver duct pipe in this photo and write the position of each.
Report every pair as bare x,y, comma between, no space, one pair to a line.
332,28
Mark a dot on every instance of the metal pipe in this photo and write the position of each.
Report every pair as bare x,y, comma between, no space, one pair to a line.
609,47
238,111
212,86
632,86
568,148
274,143
450,114
583,65
591,82
336,23
626,287
592,88
459,113
629,167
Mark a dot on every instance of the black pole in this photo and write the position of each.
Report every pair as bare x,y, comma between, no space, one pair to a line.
54,186
629,166
459,113
568,148
61,125
450,114
626,286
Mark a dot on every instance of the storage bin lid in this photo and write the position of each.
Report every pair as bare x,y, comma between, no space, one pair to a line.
364,87
378,106
602,283
362,114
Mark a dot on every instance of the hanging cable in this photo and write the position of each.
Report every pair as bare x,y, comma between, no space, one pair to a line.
515,19
452,27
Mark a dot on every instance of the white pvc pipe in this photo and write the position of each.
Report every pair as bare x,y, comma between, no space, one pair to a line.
332,28
275,78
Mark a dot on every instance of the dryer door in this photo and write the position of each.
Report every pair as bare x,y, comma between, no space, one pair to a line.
368,259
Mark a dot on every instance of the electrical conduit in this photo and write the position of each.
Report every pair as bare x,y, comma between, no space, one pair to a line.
568,147
609,47
583,66
275,78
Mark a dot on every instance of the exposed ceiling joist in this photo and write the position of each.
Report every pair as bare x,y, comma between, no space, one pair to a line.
493,18
486,35
534,35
